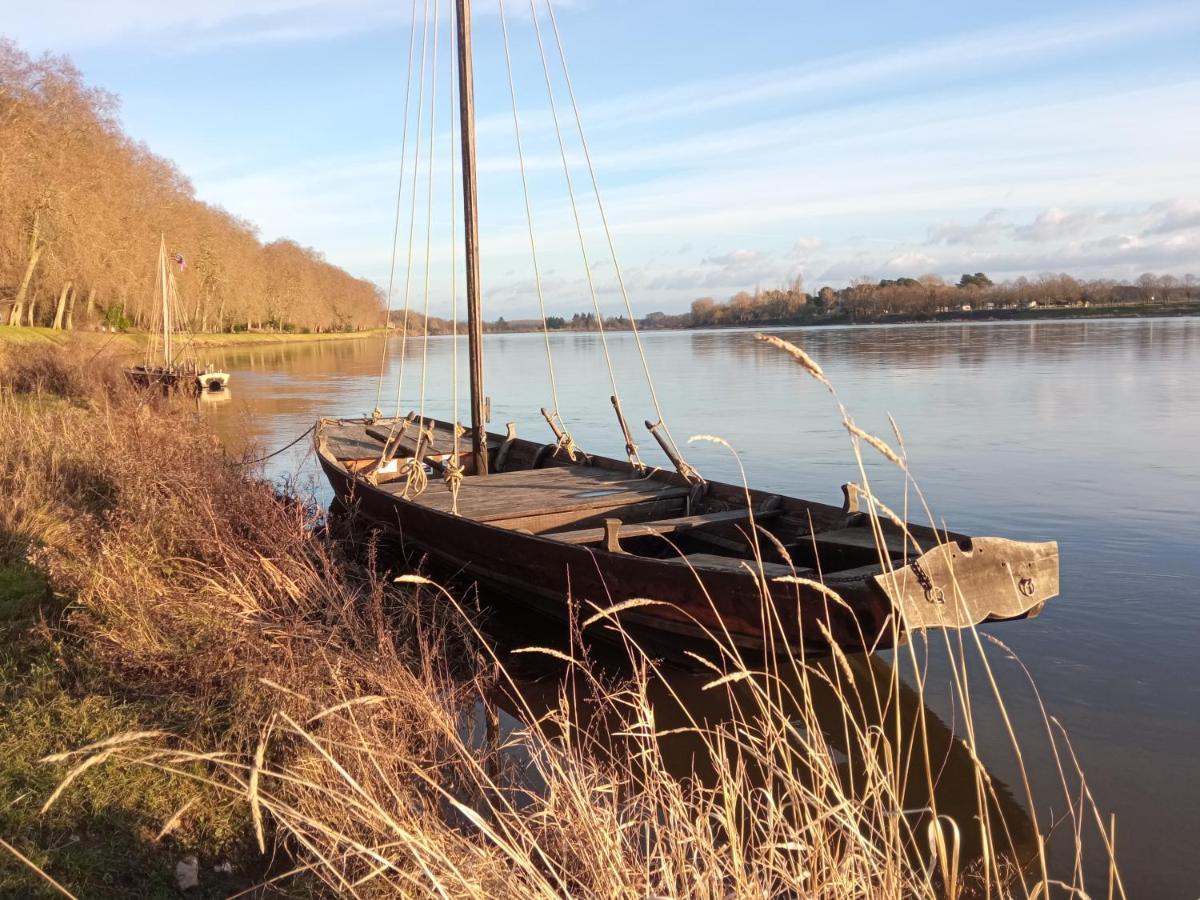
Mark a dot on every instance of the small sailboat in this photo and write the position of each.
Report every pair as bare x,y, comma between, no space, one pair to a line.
163,367
672,556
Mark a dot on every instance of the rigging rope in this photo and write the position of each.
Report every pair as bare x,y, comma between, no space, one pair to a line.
412,37
433,79
607,230
587,268
454,471
537,274
412,223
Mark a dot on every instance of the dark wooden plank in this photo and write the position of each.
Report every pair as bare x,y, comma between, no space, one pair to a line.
702,561
862,538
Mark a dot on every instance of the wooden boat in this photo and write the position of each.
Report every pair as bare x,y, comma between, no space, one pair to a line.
170,372
539,529
558,530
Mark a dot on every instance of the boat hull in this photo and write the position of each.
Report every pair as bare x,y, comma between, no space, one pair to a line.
175,379
871,610
572,583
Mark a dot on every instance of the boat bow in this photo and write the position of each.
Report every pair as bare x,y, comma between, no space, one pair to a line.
961,583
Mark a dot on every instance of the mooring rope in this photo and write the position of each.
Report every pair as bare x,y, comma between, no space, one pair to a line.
308,431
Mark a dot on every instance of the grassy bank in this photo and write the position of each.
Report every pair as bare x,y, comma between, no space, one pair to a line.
22,336
204,671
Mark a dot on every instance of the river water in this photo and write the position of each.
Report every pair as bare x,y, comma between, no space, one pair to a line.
1084,432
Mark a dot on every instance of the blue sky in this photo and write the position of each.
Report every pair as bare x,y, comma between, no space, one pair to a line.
737,144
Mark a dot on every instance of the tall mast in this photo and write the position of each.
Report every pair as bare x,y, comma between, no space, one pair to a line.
466,113
164,289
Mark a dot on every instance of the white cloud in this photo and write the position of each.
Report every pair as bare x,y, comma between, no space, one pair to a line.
201,25
1172,216
891,169
1055,223
991,224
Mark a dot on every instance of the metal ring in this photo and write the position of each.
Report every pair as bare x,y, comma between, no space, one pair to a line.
1027,586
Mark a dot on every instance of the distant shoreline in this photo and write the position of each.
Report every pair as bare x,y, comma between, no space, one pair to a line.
16,336
844,321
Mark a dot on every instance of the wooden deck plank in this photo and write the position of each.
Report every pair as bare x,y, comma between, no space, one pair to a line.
509,495
351,442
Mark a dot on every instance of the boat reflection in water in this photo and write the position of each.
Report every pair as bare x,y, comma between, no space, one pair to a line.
938,775
212,398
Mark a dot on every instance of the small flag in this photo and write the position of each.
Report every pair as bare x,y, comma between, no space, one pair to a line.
180,261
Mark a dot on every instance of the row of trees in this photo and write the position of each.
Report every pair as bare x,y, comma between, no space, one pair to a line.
82,207
865,299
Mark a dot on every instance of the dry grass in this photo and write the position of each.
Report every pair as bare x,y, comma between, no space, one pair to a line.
359,724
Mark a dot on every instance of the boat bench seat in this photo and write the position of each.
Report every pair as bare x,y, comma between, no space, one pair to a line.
702,561
661,526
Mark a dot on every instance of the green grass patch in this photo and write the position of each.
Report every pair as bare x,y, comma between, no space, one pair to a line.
100,839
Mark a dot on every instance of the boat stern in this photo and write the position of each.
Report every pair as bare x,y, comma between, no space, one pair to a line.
961,583
212,381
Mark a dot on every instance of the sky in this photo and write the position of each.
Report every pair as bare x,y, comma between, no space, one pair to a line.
735,145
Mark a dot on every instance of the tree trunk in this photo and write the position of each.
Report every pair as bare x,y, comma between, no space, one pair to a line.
35,253
70,323
91,304
61,309
33,310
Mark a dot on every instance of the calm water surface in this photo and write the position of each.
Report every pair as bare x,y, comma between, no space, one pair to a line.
1087,433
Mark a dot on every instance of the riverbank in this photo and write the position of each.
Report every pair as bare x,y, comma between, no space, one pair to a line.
220,678
23,336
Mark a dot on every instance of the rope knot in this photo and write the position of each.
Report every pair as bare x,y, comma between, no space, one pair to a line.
453,477
567,444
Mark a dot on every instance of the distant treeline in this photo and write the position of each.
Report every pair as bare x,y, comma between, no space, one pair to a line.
869,300
82,206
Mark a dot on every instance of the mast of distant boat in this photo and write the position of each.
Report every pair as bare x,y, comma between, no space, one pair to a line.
165,290
466,112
